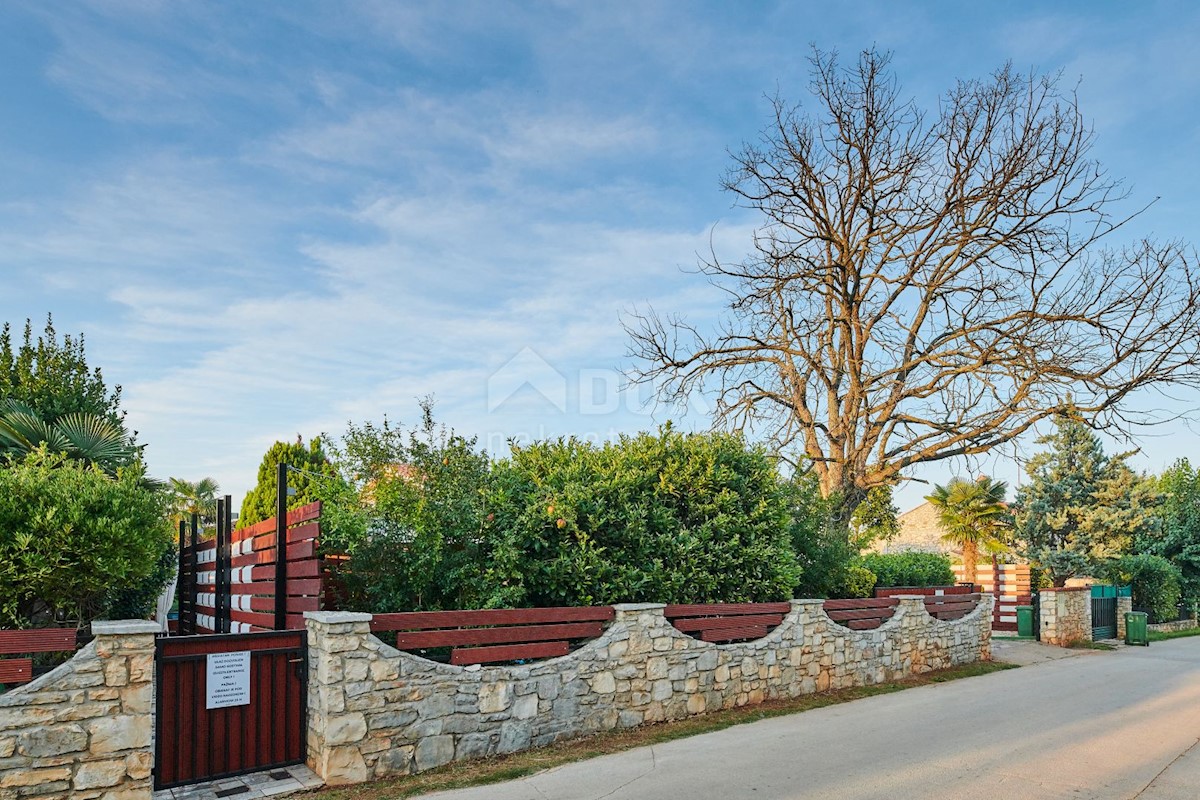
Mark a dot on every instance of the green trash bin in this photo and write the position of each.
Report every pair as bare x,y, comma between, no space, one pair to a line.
1025,621
1135,628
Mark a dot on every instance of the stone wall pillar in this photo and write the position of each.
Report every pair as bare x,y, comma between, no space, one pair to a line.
1066,615
85,729
333,732
1124,605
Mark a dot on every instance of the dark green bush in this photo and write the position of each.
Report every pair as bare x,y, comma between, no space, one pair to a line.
910,569
824,547
858,582
666,517
72,538
1155,582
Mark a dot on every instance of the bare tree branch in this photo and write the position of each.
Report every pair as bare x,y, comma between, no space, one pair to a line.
923,288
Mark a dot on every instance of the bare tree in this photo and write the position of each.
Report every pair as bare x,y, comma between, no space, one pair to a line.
927,286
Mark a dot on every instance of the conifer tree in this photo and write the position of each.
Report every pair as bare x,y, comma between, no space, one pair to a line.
1081,506
310,463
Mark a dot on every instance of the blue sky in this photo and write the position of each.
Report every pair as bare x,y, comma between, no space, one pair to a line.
271,218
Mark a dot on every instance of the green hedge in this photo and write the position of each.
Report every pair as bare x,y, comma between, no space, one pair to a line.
1155,581
666,517
910,569
76,543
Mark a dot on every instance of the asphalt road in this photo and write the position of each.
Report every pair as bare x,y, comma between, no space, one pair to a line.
1122,724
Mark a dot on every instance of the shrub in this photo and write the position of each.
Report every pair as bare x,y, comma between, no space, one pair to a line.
407,508
910,569
71,538
666,517
824,548
858,581
1155,583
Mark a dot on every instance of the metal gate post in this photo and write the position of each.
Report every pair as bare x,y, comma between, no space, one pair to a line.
281,527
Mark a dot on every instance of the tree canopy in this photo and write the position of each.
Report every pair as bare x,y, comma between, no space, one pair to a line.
972,515
310,463
927,284
73,540
1081,506
52,376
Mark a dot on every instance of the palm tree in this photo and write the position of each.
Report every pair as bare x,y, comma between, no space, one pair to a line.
973,515
79,435
194,497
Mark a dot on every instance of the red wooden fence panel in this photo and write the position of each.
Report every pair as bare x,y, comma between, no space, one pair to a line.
490,636
28,641
237,591
727,622
861,614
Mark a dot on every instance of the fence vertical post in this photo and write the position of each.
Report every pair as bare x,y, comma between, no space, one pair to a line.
194,577
181,580
281,526
219,564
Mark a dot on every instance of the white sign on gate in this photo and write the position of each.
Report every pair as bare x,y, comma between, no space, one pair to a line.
227,679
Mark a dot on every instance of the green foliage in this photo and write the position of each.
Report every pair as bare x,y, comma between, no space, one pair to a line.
824,547
78,435
875,518
193,497
1155,581
53,377
71,537
408,508
664,517
138,601
1081,506
972,514
859,581
1178,537
910,569
312,466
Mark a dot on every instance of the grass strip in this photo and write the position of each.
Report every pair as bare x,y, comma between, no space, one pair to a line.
1161,636
462,774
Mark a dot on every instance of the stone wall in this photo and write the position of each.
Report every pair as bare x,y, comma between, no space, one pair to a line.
1124,605
376,711
84,730
1177,625
1066,615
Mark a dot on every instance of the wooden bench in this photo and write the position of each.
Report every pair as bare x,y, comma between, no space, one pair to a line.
496,635
36,640
727,622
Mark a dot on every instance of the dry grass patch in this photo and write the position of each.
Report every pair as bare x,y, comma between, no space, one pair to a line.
517,765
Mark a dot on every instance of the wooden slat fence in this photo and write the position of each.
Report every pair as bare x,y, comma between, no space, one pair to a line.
727,622
228,582
951,606
897,591
868,613
861,614
1008,583
28,642
495,635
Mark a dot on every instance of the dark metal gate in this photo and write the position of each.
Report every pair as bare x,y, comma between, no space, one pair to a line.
1104,612
194,742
